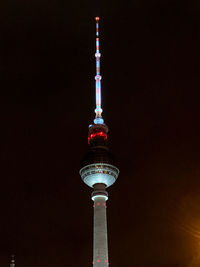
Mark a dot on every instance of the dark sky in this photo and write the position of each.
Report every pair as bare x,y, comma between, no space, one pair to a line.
150,68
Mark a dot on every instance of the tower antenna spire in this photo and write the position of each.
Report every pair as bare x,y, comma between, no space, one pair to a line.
98,119
12,262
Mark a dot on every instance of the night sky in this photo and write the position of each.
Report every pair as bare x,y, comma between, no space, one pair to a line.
150,91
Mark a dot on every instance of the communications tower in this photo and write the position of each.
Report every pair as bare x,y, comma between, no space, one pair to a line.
98,170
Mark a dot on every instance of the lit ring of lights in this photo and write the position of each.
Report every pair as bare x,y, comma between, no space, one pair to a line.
99,173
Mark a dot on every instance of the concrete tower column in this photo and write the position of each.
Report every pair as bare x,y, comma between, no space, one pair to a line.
100,239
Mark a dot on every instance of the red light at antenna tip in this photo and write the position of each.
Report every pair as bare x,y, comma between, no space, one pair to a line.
97,18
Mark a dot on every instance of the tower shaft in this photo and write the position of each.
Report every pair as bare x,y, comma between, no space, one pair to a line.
100,239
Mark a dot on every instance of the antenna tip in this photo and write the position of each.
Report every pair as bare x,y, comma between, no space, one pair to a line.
97,18
12,258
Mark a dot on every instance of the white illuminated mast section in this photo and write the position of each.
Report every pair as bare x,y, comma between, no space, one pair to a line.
98,110
12,263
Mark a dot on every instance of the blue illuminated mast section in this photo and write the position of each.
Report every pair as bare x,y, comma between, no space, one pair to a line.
98,110
98,170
